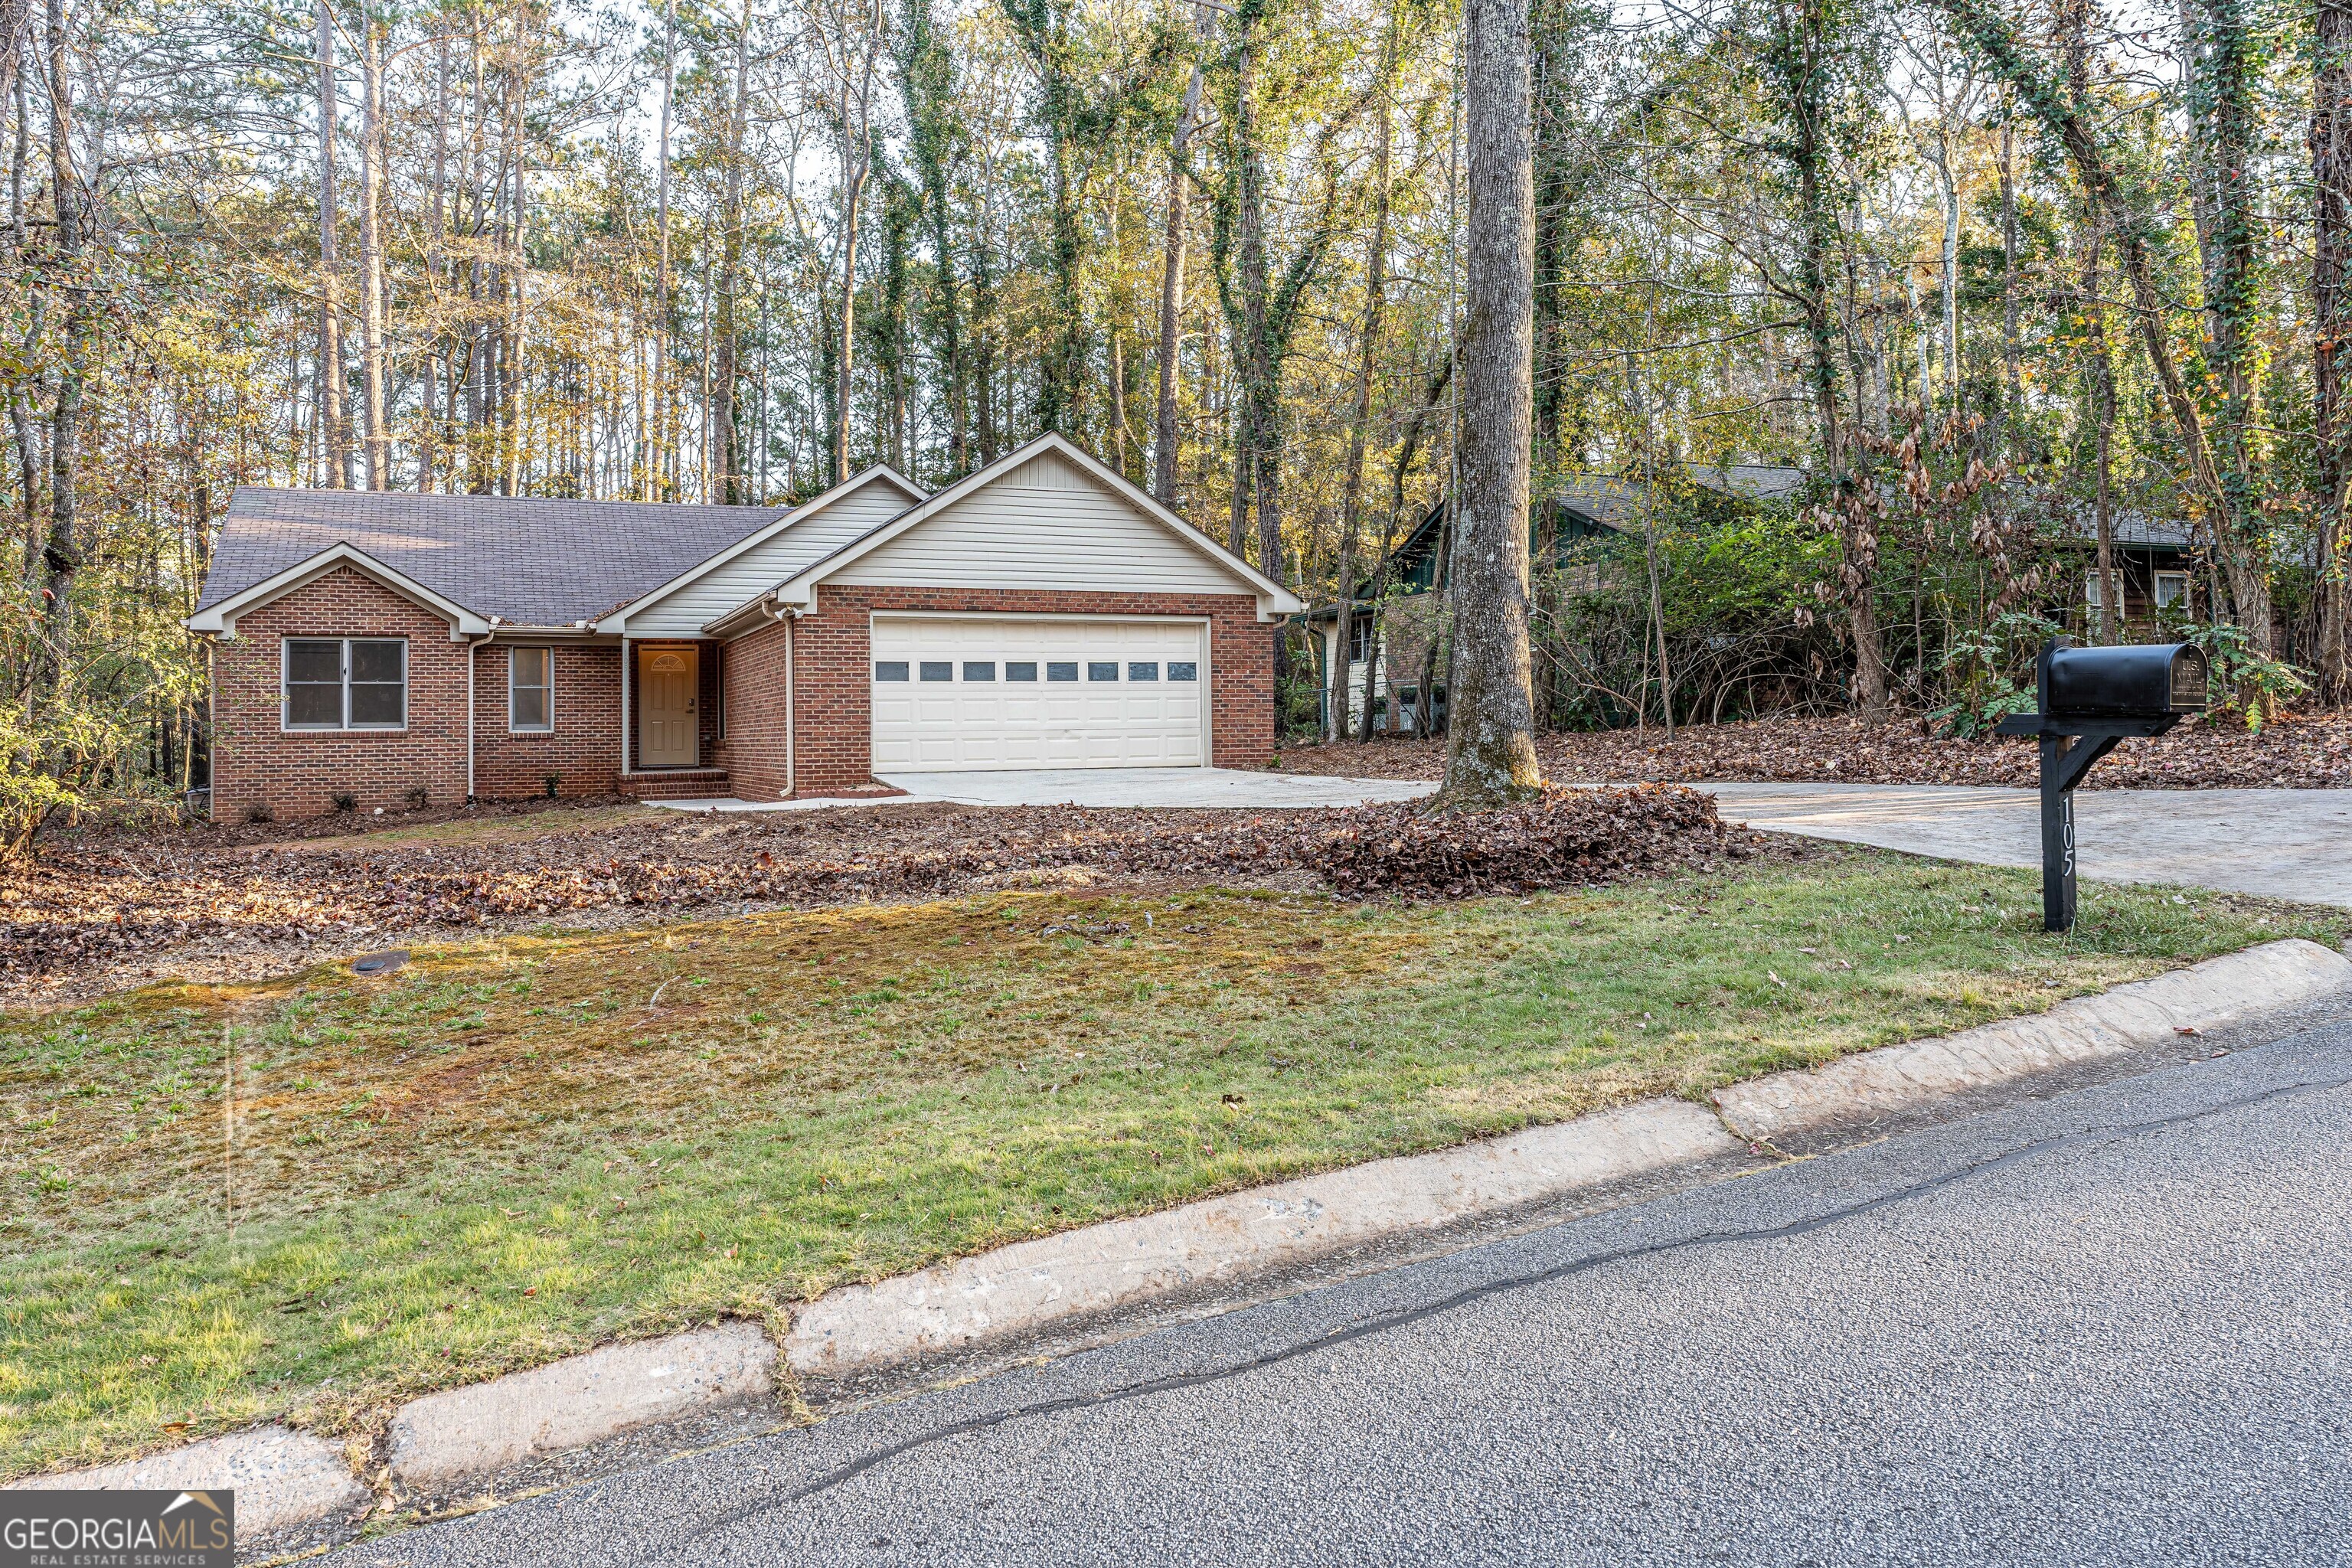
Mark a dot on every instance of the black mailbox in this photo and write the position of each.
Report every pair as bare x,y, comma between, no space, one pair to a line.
2090,698
2122,682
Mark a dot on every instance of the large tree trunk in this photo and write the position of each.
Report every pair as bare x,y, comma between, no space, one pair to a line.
727,349
661,458
1490,754
334,437
2331,170
372,150
62,555
1359,416
1800,53
1171,276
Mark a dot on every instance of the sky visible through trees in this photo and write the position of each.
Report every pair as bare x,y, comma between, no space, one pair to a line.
1988,274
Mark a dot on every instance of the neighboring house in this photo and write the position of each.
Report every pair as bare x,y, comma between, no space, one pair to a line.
2155,567
1040,612
1586,507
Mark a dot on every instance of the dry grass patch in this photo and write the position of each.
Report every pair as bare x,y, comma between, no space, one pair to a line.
514,1148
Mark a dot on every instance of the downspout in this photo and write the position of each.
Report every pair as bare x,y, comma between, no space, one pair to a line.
473,676
792,766
625,705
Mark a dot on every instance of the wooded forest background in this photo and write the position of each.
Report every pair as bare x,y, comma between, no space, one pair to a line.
1982,270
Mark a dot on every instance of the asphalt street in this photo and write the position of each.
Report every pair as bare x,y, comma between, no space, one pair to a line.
2110,1326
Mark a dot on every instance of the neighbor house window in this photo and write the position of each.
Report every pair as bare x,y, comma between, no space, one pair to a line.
2171,589
1359,638
531,688
346,683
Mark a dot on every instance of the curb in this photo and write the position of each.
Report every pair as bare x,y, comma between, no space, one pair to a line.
285,1478
582,1399
1080,1273
2276,977
282,1478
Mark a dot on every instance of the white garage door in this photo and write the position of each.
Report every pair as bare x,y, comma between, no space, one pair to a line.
951,695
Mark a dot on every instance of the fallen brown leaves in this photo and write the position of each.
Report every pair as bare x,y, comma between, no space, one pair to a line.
116,906
2299,751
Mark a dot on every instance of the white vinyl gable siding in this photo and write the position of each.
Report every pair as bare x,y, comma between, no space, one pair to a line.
694,604
1045,525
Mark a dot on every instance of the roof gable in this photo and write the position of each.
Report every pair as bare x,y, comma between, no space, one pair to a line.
684,605
1044,514
220,617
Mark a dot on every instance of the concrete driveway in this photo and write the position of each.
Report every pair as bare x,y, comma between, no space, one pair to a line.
2280,843
1226,787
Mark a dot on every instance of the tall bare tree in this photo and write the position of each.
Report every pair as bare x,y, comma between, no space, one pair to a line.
2331,171
1490,754
334,429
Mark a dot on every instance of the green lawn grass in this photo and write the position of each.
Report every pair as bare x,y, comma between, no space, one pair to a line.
515,1148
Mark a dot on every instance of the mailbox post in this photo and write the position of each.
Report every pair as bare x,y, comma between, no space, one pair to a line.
2088,699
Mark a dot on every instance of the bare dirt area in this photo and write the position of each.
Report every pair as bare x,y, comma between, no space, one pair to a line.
2298,751
91,913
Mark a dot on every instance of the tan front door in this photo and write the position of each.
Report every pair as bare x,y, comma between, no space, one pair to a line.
666,728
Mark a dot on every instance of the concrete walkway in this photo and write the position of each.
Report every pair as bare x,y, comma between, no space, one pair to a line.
2279,842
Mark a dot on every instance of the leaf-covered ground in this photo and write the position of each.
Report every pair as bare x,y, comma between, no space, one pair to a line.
308,1196
2299,751
106,910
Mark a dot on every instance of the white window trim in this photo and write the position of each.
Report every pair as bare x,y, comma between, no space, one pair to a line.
548,728
2155,589
286,688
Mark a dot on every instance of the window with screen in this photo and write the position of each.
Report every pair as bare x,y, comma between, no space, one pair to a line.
346,683
531,688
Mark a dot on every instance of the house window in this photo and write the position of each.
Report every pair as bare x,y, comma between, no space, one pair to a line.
1018,671
2172,590
531,688
1102,672
346,683
1359,638
2091,591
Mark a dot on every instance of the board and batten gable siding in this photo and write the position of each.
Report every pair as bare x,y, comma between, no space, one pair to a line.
695,604
1047,525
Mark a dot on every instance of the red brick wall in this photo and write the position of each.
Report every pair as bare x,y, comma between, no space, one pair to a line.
833,678
256,763
584,747
755,714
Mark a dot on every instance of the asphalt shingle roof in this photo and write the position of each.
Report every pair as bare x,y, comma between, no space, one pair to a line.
528,561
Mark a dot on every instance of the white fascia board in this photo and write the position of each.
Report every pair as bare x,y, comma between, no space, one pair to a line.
618,620
220,620
1274,601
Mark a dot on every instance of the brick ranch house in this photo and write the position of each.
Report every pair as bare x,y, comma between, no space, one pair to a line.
1040,612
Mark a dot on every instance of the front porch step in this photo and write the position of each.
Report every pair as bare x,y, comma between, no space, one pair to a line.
681,783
